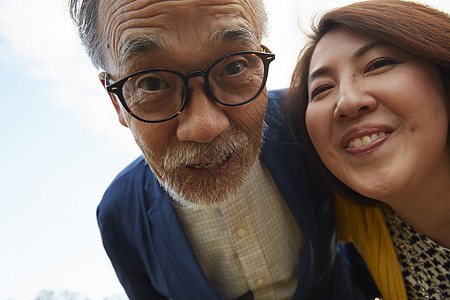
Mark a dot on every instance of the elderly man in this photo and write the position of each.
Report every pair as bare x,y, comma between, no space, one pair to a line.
205,214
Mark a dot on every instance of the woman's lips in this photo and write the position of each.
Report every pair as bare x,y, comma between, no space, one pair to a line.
363,140
367,146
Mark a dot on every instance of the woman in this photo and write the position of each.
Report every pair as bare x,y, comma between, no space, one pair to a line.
373,89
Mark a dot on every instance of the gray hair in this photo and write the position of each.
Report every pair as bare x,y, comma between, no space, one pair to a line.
85,15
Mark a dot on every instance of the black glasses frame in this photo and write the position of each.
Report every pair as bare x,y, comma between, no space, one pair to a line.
116,87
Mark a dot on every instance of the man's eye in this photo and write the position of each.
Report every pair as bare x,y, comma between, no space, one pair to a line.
234,68
317,91
152,84
380,64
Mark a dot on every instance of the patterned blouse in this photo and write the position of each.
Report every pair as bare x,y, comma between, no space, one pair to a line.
425,265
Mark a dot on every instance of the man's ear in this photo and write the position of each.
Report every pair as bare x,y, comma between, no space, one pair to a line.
114,100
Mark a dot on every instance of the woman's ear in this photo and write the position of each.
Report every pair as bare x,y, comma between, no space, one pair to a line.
114,100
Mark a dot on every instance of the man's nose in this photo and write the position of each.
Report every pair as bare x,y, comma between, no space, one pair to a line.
203,119
353,100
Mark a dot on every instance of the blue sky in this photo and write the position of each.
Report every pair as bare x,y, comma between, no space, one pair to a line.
61,145
60,149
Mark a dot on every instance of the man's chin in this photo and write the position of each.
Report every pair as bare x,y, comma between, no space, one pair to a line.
206,195
199,204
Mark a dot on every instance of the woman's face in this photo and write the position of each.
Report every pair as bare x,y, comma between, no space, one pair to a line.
378,116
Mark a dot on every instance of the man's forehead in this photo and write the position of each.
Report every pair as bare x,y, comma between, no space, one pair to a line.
129,9
132,27
118,3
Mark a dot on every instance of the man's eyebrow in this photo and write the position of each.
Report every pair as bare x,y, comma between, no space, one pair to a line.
134,47
151,44
358,53
229,35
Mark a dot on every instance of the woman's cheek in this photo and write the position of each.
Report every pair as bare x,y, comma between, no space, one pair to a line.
316,124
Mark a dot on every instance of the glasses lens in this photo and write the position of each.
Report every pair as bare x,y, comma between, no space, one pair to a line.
154,95
237,79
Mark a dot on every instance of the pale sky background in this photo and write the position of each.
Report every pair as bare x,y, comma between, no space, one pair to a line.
61,144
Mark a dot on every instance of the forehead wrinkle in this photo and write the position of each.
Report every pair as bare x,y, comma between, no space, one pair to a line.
246,12
112,22
117,18
250,7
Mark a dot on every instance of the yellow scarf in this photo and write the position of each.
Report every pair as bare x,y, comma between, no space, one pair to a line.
366,228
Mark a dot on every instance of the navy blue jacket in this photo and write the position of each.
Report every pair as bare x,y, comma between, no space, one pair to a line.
150,251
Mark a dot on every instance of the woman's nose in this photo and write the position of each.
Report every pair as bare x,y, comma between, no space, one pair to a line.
353,100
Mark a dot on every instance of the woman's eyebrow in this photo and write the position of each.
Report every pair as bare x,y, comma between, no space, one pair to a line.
366,48
357,54
318,72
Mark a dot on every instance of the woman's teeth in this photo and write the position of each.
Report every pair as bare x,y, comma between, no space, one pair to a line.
366,140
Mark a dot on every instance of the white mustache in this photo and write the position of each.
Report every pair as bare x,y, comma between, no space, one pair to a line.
188,154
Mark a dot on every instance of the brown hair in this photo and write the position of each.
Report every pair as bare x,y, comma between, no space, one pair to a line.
419,29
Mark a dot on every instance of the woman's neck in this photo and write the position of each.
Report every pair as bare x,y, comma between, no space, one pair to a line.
428,213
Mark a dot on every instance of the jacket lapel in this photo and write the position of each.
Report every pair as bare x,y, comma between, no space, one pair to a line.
182,272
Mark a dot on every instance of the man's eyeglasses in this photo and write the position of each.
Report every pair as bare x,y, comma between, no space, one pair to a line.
160,94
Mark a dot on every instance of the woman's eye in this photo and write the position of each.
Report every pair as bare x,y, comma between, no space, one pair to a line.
380,64
317,91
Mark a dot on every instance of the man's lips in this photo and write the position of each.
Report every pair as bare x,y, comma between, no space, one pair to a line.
210,165
211,170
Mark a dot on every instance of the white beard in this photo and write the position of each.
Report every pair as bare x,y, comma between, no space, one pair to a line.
193,193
